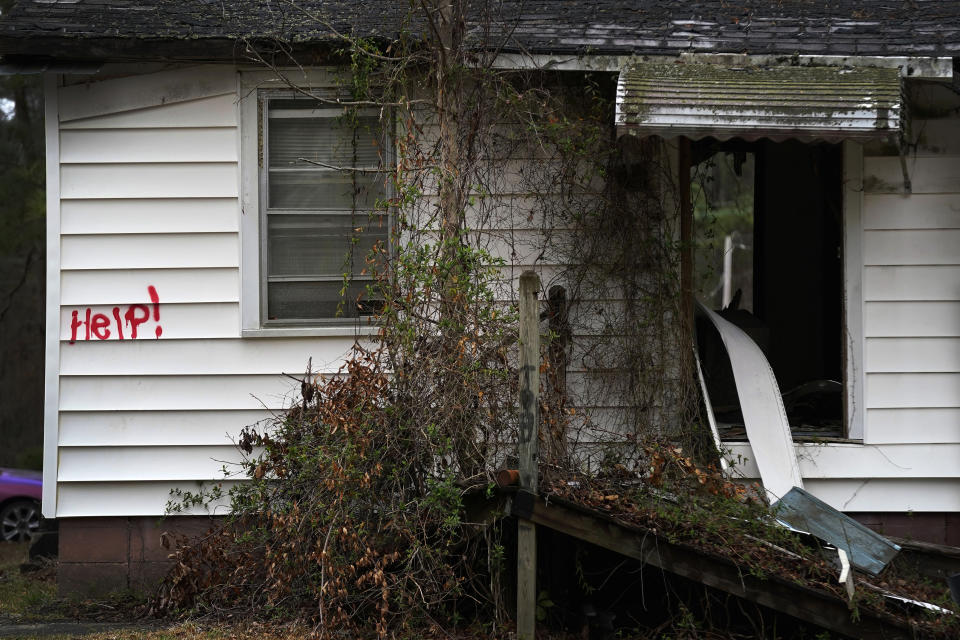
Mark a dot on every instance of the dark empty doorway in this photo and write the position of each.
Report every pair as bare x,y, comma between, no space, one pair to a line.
768,252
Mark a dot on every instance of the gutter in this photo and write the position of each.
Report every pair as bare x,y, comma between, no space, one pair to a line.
910,66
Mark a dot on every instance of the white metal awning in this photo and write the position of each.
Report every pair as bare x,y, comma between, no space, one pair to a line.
777,102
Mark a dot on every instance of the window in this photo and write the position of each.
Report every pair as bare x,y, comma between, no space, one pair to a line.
320,187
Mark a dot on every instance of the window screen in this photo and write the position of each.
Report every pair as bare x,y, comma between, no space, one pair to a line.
321,181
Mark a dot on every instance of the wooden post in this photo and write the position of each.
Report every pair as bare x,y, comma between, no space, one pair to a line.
529,422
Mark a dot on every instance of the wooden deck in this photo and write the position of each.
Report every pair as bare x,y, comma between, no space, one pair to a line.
803,603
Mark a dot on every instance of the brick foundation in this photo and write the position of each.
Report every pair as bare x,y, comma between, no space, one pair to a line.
100,555
103,555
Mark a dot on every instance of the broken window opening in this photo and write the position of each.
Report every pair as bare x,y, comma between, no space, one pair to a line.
722,192
768,257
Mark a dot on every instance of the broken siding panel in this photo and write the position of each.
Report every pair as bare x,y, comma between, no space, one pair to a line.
118,95
889,494
841,460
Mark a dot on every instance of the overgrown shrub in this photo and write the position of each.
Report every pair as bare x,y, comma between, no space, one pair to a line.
352,514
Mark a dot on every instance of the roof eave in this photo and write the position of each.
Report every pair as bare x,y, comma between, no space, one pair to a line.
193,50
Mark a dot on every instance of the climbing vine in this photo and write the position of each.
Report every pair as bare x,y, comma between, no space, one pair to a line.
356,510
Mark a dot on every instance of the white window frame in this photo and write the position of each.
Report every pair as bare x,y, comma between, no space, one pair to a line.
253,84
854,339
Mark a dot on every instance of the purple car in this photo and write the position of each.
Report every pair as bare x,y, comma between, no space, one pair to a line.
19,504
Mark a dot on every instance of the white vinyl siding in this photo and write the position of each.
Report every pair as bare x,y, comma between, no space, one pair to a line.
912,300
149,196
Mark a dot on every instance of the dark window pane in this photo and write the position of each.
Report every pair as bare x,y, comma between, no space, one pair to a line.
314,300
324,190
322,245
331,141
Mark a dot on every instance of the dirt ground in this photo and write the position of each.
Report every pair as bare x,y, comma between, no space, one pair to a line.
30,609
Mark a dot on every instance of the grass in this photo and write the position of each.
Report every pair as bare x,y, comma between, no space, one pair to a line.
24,597
31,599
186,631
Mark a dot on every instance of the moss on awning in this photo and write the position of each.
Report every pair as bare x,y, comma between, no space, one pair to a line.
703,100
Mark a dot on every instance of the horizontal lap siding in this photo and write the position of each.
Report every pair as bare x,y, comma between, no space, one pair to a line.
881,477
168,250
150,198
149,180
886,494
228,356
187,144
119,428
122,286
143,215
117,498
911,325
179,320
846,461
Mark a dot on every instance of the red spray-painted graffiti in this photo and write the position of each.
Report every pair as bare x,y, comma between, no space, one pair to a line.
99,326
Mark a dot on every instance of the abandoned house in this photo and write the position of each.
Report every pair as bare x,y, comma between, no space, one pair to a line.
184,278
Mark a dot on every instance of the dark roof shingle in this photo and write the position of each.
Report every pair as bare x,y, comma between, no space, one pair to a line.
217,29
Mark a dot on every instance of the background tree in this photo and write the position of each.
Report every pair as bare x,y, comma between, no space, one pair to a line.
22,269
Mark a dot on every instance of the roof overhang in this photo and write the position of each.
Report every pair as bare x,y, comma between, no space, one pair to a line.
752,102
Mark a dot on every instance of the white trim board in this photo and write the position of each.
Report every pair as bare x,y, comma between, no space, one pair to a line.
51,403
249,206
853,289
